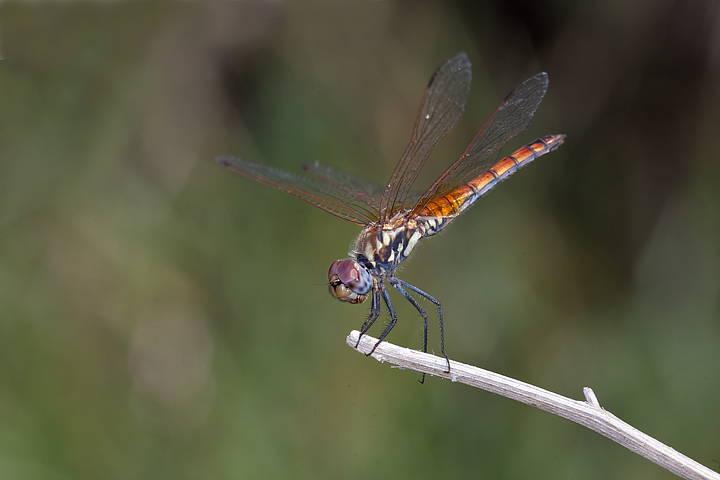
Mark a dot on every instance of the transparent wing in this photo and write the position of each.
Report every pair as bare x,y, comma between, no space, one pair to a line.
343,201
440,109
361,190
509,119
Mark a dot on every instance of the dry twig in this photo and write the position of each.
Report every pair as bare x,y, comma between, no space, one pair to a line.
588,413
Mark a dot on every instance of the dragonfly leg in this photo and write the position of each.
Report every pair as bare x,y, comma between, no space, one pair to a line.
393,319
374,313
395,283
437,303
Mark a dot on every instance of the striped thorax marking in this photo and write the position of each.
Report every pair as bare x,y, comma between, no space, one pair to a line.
390,243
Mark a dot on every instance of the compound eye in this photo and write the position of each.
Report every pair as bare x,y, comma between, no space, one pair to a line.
351,274
349,282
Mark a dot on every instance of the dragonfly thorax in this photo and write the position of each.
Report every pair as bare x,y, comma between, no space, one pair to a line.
387,244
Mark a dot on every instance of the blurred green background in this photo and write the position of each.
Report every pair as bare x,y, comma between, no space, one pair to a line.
161,317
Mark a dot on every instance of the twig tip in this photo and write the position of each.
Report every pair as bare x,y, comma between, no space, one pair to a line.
590,397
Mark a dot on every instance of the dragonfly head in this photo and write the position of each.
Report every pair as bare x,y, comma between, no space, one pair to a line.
349,282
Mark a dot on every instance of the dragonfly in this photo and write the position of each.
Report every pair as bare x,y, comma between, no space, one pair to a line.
393,217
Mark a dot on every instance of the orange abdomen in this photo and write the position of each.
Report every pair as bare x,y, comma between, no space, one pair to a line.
453,203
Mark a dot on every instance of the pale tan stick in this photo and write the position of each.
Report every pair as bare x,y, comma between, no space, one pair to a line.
588,413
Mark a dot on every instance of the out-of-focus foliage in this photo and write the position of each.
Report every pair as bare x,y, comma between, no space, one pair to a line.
163,318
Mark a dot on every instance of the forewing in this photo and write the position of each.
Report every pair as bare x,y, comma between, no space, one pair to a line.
361,190
509,119
333,197
442,105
